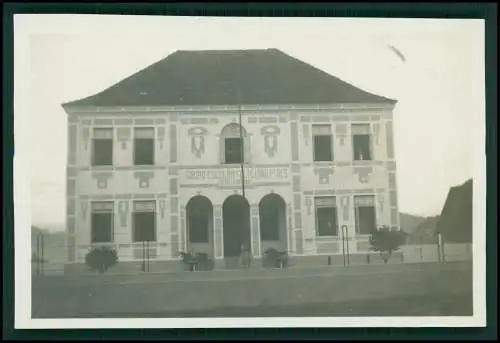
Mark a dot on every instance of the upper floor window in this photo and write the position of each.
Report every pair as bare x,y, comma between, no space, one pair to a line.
364,214
361,142
101,227
235,146
144,221
233,150
326,216
144,146
102,147
323,143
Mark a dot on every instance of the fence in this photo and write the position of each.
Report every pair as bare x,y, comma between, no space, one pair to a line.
430,252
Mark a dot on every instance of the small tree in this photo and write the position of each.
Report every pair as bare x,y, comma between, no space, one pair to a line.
385,241
101,259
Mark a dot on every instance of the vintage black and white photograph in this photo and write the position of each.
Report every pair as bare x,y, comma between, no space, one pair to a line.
249,171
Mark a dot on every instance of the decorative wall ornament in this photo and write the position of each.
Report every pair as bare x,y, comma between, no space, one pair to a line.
363,173
162,208
376,132
306,133
344,201
270,133
197,135
102,179
123,135
123,210
86,137
309,205
390,139
294,138
84,206
160,135
173,143
324,174
144,178
341,132
381,201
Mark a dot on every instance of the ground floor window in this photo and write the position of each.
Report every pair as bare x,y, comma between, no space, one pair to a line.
364,214
102,222
326,216
144,221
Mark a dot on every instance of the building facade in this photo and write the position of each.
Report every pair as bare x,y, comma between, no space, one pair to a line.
184,172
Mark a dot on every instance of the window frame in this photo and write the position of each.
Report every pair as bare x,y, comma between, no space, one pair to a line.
316,217
153,152
356,214
370,141
331,145
111,213
241,150
155,220
93,148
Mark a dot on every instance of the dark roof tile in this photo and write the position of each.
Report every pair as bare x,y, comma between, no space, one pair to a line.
209,78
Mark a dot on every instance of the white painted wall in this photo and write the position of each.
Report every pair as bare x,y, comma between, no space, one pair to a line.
175,160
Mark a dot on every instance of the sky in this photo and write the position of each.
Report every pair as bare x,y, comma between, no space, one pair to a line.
439,86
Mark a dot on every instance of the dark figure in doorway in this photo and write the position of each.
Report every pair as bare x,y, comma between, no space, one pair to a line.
245,256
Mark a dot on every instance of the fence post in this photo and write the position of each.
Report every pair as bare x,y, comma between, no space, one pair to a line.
347,244
343,244
143,265
42,252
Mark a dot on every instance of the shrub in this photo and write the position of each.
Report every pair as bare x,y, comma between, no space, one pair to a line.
385,241
101,258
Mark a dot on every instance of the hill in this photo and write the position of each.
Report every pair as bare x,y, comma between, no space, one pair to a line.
425,232
409,222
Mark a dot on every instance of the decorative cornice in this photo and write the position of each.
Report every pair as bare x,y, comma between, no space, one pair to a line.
222,109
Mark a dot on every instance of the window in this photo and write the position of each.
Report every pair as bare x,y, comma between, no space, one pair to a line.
323,143
326,216
144,217
234,145
102,147
269,223
198,226
144,146
361,142
233,150
102,222
365,216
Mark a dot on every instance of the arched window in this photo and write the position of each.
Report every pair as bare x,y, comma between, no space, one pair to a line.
234,150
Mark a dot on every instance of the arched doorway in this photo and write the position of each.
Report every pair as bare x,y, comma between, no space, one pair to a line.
236,225
272,213
199,225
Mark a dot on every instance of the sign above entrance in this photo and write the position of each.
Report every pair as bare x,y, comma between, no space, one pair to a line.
232,175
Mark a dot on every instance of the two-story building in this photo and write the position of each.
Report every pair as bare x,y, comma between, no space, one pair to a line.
160,156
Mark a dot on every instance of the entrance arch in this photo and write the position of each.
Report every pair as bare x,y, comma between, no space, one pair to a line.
199,225
236,225
272,215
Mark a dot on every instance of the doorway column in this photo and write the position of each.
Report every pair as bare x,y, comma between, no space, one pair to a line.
255,230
